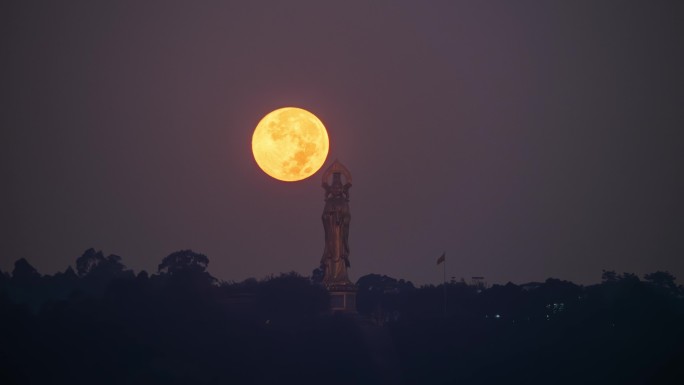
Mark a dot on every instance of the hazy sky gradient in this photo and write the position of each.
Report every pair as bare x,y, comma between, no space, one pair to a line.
525,139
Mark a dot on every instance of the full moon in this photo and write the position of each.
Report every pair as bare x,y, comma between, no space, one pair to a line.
290,144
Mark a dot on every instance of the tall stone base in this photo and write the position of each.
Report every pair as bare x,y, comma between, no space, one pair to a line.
342,299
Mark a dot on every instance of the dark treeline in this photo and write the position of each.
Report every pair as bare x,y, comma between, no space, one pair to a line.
103,324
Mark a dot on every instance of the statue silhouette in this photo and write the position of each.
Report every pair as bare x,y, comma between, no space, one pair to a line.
336,218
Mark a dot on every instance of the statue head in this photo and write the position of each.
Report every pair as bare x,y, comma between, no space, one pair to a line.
337,187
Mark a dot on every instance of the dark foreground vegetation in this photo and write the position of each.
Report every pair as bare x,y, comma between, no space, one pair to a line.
102,324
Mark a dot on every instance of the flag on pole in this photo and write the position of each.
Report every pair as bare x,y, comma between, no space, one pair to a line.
442,258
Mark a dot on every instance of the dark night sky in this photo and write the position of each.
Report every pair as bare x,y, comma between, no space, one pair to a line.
527,139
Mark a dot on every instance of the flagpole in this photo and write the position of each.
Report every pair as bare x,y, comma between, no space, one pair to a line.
445,288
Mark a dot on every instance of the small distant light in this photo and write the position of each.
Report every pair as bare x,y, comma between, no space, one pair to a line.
497,316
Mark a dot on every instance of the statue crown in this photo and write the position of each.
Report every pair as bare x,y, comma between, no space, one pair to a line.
337,168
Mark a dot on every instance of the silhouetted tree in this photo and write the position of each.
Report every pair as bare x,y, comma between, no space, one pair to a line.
184,261
94,263
23,272
609,276
662,279
70,273
97,271
88,261
629,277
187,271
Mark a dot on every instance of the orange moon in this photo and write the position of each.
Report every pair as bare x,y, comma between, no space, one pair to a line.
290,144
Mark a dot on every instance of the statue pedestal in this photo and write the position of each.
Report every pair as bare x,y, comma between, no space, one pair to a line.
342,299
